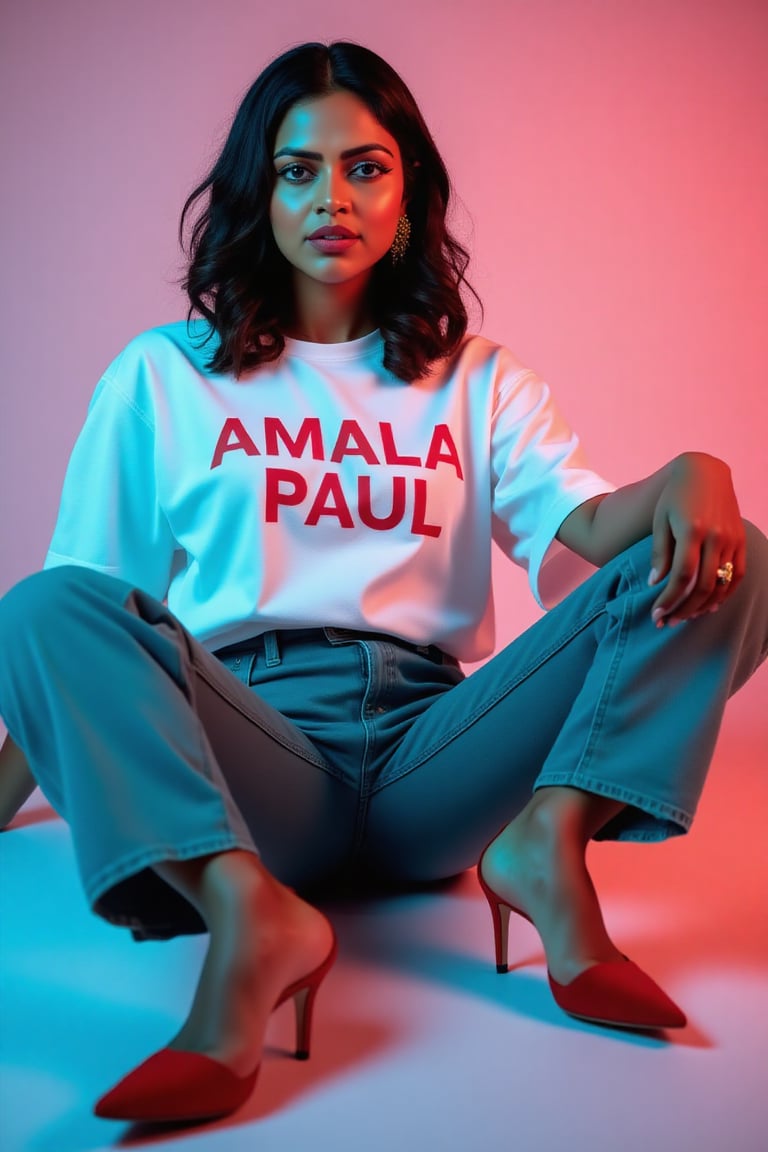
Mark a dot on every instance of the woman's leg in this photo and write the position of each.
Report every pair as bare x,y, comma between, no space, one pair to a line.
169,772
263,938
594,723
153,751
538,864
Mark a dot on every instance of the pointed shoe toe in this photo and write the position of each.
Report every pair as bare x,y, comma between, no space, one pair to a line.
176,1086
617,992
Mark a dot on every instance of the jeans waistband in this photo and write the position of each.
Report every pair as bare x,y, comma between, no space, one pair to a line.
270,642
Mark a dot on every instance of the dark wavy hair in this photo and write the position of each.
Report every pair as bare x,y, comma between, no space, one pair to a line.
239,280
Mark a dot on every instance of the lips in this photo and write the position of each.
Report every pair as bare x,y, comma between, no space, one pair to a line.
333,233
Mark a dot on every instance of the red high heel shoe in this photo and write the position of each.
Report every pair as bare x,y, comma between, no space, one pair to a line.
173,1085
614,992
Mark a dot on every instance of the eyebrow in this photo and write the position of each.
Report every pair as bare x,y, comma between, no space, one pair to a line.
303,154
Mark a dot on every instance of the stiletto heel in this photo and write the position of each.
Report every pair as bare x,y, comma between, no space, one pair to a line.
304,993
500,913
178,1086
303,1002
614,992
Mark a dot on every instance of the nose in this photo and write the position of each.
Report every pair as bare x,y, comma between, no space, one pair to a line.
331,195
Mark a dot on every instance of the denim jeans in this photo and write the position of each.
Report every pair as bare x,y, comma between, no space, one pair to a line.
334,754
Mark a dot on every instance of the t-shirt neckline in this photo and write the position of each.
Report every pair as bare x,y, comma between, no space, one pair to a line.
334,353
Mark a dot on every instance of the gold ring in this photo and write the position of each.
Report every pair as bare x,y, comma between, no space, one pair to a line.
725,574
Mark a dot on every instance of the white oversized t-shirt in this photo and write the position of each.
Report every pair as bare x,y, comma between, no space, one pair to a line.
320,489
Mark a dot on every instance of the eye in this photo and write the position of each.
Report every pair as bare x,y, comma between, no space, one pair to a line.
369,170
295,173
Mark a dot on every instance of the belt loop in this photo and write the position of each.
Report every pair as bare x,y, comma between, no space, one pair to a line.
271,650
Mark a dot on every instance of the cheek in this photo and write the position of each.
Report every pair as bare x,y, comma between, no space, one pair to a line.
283,217
387,210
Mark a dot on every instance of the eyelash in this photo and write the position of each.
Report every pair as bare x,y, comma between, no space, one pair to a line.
381,170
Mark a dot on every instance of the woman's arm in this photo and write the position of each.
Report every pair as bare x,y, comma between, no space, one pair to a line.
16,781
690,508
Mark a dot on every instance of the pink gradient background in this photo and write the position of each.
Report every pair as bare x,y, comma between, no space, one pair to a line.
611,157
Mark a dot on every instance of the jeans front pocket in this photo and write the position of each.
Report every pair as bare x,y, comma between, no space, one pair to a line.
240,664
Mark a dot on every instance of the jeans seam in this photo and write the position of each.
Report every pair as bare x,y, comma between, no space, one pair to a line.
580,777
601,704
366,667
491,701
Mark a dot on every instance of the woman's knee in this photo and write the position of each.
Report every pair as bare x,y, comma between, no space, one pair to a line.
44,599
754,583
757,555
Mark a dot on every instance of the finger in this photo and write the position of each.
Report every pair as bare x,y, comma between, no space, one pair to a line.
723,587
724,574
739,560
720,589
683,575
739,565
662,549
707,592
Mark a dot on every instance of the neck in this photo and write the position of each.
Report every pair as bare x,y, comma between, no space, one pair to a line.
330,313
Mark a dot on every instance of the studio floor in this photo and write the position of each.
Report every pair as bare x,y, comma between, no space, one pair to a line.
418,1043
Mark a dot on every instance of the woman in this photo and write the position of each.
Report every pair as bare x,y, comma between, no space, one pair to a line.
312,476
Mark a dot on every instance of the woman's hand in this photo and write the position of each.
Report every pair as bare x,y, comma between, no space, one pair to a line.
690,508
697,530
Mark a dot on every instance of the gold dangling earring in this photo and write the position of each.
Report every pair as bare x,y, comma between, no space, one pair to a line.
400,243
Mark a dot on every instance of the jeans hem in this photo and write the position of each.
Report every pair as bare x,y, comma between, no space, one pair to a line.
107,878
648,820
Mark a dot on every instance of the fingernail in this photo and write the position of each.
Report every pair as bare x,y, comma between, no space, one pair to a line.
652,577
657,614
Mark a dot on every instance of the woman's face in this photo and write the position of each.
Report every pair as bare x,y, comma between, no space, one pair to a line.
338,190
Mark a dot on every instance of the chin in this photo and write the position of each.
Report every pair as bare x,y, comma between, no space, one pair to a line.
335,274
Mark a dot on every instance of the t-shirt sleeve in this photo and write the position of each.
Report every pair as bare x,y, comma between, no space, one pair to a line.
539,476
109,516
